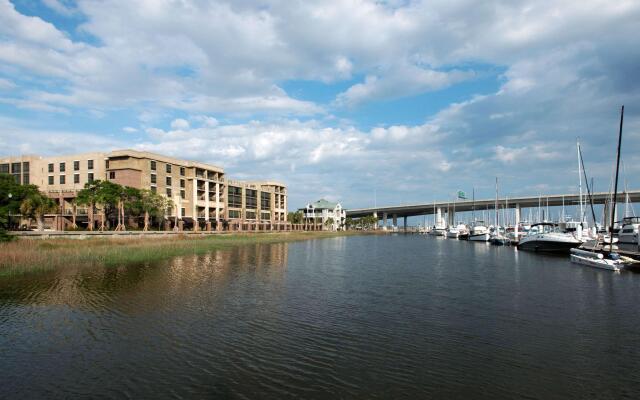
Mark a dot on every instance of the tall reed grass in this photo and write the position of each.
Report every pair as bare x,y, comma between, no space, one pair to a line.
30,255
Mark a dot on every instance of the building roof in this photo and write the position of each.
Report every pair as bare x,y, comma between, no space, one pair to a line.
161,158
322,203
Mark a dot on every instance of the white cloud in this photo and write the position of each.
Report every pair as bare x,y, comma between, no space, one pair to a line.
129,129
180,124
60,7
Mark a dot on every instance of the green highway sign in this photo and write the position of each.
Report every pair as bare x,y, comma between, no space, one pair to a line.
462,195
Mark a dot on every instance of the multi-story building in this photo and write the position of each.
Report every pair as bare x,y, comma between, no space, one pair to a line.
331,216
200,193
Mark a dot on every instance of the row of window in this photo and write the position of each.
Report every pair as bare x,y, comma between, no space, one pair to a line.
62,167
16,168
76,178
167,167
236,214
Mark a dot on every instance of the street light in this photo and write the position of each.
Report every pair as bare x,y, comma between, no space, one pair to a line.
9,213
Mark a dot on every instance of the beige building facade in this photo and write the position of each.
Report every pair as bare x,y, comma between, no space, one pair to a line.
200,192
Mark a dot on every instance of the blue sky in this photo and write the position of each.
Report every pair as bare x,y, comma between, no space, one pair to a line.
339,99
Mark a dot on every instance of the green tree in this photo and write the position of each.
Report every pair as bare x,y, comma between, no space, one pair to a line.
153,204
329,223
89,196
349,223
11,196
295,217
35,206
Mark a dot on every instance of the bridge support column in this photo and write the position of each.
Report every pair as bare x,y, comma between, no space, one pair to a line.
451,217
439,217
375,215
405,224
384,221
395,220
517,220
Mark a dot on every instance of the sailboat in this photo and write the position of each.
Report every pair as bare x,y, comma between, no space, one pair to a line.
608,259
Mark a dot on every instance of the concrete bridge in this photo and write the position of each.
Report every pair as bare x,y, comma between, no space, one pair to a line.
439,207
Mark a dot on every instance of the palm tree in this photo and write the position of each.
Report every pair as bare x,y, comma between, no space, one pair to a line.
35,206
89,196
152,204
329,223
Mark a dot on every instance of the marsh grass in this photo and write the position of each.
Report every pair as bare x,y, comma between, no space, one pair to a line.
32,255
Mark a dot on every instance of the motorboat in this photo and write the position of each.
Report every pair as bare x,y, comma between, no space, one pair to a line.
628,233
479,232
454,232
612,262
547,237
498,237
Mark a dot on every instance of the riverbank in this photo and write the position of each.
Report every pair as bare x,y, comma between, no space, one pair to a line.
24,256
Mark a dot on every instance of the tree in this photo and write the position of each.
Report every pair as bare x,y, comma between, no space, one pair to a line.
349,223
295,217
153,204
329,223
89,196
35,206
11,196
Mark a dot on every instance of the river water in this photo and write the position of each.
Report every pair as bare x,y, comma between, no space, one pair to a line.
349,317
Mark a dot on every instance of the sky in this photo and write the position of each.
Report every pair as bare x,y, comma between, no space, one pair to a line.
363,102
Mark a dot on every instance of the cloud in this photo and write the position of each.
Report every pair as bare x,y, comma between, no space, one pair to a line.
61,7
180,124
129,129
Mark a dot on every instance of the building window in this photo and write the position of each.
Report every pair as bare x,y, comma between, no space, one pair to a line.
234,214
25,167
50,180
168,168
76,178
182,183
76,165
154,189
62,167
112,174
182,171
183,211
251,199
265,200
51,167
168,192
62,179
153,165
90,177
168,181
265,215
235,196
183,194
90,164
25,179
251,214
153,178
15,168
4,168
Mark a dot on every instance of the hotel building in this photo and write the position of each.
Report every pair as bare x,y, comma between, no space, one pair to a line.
201,194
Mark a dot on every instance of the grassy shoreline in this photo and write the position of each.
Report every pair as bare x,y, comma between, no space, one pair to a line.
24,256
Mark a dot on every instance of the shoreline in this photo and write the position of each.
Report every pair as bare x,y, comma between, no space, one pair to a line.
24,255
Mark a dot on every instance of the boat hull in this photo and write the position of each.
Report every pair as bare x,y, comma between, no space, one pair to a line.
596,262
480,237
547,245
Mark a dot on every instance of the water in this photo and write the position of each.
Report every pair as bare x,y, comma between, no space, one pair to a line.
351,317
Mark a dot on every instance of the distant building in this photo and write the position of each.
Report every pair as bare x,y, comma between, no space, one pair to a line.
201,193
331,215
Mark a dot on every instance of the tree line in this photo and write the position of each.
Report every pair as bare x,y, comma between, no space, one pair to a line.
112,202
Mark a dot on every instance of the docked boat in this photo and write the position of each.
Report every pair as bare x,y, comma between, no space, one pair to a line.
438,230
454,232
499,238
546,237
612,262
629,231
479,232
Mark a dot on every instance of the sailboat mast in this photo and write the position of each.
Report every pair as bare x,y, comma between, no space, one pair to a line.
615,190
496,201
580,183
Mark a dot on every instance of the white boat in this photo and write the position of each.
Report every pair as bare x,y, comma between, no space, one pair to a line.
454,232
629,231
597,260
546,237
479,232
438,231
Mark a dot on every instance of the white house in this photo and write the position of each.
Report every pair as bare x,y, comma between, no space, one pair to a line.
322,211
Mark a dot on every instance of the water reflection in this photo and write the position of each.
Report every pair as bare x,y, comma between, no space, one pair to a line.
352,317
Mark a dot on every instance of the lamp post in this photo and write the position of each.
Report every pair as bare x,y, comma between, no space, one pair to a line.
9,213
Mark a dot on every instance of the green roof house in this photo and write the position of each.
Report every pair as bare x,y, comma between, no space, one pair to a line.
329,214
